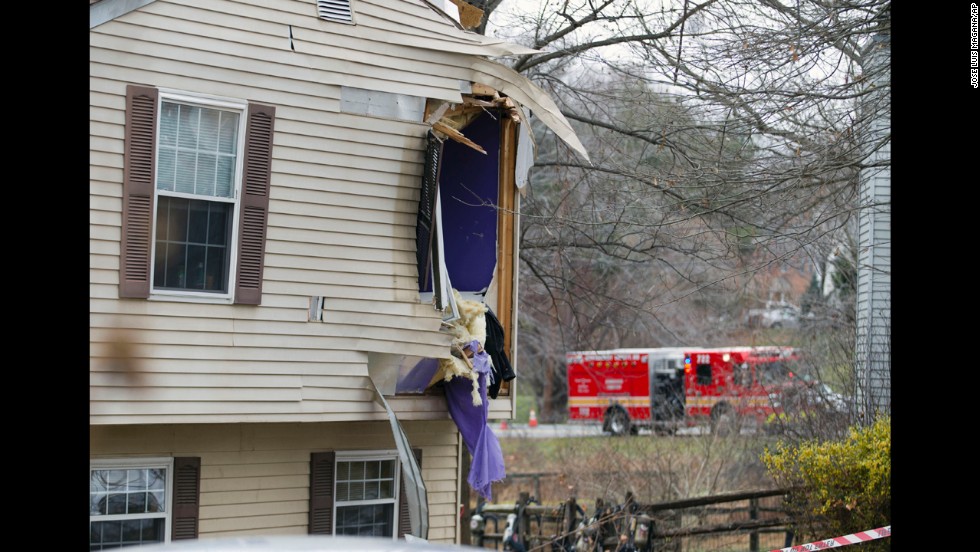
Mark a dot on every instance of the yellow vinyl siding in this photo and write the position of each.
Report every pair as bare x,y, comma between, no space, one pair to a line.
255,477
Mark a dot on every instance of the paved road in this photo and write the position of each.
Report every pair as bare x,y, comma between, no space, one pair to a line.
549,431
546,431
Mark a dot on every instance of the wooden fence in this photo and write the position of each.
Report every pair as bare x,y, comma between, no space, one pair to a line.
732,522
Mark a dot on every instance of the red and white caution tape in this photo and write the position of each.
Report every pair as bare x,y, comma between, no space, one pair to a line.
863,536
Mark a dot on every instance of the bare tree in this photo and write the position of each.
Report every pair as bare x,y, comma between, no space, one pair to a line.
726,139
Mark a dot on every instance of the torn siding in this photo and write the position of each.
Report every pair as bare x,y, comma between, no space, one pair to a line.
528,94
414,24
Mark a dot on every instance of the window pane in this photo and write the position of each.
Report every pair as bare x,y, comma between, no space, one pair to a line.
188,126
356,491
197,222
350,515
136,503
209,130
166,169
388,469
97,481
207,166
228,140
214,269
111,532
156,502
387,489
170,265
97,504
343,491
218,227
186,172
196,256
95,534
115,480
372,470
371,490
173,212
131,531
136,479
156,478
357,471
168,125
117,504
224,177
151,530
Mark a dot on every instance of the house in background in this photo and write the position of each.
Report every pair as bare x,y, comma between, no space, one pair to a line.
774,294
283,196
873,309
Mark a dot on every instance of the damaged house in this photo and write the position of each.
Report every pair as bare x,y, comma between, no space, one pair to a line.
295,206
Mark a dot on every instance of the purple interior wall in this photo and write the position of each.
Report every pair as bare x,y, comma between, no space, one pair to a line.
468,186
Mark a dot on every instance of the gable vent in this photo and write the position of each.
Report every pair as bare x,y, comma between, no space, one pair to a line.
334,10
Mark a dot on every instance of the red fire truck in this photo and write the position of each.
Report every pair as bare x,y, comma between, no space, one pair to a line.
666,388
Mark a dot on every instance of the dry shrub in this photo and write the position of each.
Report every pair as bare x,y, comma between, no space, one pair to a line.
653,468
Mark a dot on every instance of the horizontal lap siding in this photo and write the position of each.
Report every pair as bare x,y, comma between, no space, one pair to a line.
402,26
329,51
255,477
873,340
343,196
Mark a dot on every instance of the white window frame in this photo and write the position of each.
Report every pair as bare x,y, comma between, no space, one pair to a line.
166,463
371,455
213,102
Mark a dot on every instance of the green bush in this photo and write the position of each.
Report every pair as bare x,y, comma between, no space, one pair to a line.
838,487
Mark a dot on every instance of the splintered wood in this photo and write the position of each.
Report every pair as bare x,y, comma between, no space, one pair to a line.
448,120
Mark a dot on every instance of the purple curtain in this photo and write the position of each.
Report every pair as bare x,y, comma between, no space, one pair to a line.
487,465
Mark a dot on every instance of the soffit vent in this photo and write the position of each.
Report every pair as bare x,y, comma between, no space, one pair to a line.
335,10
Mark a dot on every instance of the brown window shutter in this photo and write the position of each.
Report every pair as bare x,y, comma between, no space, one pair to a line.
404,522
321,493
187,498
255,203
137,215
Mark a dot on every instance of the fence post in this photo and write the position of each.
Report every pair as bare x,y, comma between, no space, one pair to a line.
522,533
754,535
667,520
656,541
476,533
571,519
